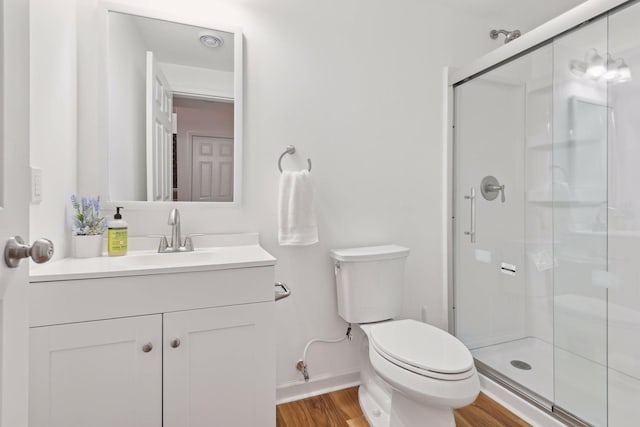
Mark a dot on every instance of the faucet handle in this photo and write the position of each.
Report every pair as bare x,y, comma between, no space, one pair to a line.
164,244
188,241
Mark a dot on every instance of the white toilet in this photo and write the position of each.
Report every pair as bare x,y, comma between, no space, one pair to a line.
412,374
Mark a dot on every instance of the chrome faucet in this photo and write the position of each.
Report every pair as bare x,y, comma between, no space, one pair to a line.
176,234
176,244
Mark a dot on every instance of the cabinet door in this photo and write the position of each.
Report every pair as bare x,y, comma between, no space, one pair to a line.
97,374
222,371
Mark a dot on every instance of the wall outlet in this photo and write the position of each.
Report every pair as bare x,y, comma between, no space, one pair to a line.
36,185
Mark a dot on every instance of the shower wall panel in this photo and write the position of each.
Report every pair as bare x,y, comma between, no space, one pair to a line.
490,308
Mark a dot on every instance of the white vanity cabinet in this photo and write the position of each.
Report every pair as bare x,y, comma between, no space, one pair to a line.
179,349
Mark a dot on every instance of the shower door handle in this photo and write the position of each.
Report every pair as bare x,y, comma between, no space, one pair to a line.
472,200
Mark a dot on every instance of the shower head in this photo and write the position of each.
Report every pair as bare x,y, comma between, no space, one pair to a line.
509,35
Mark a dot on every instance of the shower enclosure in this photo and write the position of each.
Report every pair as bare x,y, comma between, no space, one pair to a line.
546,230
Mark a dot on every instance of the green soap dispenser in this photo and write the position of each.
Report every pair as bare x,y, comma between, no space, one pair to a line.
118,232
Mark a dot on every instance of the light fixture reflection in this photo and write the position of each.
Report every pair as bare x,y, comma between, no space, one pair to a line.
595,67
624,72
611,72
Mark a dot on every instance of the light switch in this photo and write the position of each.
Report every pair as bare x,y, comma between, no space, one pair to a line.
36,185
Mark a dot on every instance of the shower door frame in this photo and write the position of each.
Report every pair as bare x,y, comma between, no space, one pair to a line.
528,42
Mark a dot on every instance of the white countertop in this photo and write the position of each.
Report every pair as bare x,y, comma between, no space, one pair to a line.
246,253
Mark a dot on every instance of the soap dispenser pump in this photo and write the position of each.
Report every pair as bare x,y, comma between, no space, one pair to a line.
118,231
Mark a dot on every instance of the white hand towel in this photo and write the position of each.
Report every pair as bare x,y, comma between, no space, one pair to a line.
296,217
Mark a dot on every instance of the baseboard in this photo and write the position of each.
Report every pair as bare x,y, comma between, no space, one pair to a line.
528,412
321,384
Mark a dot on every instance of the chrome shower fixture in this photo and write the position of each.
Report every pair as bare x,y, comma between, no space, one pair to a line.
508,35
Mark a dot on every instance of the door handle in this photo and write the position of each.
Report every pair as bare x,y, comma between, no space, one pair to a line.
472,200
15,249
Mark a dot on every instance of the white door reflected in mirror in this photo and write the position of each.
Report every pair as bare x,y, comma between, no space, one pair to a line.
174,114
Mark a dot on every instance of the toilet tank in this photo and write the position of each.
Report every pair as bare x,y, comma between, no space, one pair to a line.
369,282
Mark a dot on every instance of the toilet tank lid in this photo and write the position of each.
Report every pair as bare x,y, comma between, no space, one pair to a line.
370,253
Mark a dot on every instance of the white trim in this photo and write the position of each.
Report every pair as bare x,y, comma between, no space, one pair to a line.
202,97
545,32
238,104
447,200
297,390
528,412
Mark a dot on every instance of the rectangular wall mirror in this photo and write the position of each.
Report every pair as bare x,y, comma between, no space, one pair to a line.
174,113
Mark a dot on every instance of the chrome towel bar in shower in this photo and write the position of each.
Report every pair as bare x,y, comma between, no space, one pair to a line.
290,150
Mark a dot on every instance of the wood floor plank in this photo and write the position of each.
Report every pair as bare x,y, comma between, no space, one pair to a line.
341,409
347,402
317,411
461,421
360,421
294,413
280,419
486,412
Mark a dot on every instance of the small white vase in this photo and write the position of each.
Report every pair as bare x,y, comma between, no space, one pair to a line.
86,246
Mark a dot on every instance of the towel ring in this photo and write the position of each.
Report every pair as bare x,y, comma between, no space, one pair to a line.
290,150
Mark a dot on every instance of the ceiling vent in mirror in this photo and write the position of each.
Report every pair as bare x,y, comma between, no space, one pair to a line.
211,40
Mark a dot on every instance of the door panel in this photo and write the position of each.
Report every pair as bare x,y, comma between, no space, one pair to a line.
159,133
14,208
212,169
97,374
222,372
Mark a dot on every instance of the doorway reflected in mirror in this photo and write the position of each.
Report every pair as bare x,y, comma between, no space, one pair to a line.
203,147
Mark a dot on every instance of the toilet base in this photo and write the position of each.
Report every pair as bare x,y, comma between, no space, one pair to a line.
375,414
406,412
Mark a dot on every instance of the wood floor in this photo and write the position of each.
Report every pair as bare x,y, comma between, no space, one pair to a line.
341,409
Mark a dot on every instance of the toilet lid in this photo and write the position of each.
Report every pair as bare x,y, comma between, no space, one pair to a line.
421,346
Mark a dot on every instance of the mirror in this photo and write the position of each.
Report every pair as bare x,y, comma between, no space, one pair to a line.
174,111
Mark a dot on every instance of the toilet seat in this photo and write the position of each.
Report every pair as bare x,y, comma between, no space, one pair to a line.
422,349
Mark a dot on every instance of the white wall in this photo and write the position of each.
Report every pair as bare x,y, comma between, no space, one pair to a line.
358,88
53,116
127,109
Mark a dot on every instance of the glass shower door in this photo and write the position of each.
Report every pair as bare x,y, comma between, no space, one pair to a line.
623,225
580,215
503,222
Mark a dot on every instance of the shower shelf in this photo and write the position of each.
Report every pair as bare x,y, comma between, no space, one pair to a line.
585,197
567,143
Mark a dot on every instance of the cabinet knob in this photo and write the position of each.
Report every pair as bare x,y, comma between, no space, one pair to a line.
147,347
175,343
